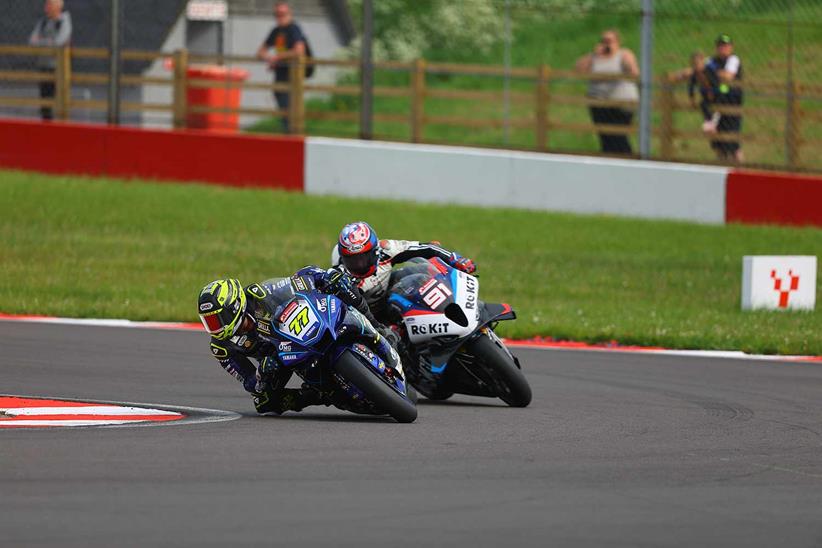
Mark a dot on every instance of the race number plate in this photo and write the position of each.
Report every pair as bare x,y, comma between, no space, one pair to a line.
300,323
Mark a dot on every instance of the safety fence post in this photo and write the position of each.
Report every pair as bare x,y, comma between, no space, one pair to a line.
417,100
542,98
62,83
296,102
793,133
180,103
667,117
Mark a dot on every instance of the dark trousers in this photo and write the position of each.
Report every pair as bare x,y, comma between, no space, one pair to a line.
282,103
46,92
727,124
610,143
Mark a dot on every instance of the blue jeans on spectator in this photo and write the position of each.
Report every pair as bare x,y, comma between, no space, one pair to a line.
282,103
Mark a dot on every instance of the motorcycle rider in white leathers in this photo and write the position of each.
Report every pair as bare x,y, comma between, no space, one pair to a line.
369,260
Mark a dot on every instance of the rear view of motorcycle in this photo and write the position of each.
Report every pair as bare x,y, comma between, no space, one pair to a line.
449,335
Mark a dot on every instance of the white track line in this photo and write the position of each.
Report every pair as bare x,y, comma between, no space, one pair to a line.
94,322
68,422
723,354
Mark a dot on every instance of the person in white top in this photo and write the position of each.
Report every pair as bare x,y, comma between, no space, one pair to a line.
610,58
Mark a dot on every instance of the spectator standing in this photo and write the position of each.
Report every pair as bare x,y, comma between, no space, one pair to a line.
611,59
728,69
702,77
51,30
288,42
705,80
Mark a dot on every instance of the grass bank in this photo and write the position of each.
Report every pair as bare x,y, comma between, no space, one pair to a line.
105,248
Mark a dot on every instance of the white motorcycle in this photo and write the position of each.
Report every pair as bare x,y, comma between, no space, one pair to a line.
448,334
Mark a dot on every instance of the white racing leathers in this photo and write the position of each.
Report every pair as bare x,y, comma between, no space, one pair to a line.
392,252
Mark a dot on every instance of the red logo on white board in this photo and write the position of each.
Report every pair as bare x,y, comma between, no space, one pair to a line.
785,286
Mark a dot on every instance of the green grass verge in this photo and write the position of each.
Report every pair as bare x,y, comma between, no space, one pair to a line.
106,248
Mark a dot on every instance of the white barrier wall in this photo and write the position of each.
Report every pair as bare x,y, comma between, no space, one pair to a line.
526,180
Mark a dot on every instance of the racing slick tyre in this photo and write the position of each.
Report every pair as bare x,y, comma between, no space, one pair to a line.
440,394
375,389
412,394
511,385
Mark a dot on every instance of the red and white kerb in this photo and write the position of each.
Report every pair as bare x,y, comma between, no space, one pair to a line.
17,412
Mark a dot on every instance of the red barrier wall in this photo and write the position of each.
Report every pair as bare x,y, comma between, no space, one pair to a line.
774,198
188,155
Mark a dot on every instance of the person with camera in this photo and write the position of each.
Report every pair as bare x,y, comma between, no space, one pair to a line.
610,59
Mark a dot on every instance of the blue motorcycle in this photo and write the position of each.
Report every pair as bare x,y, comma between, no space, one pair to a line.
313,334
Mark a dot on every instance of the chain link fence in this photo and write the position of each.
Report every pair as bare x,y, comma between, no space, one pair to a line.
776,41
144,25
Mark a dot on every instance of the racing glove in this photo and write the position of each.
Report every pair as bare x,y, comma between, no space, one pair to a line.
340,284
337,282
462,263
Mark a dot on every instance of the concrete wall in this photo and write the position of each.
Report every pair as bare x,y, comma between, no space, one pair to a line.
515,179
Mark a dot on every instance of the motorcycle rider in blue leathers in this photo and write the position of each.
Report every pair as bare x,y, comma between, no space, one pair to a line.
235,317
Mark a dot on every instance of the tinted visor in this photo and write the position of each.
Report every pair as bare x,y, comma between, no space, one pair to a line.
214,323
361,263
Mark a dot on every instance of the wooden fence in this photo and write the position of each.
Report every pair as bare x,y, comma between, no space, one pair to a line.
534,91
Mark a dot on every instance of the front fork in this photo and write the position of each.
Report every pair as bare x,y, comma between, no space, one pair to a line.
489,332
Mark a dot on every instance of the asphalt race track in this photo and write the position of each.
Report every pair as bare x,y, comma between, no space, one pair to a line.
616,450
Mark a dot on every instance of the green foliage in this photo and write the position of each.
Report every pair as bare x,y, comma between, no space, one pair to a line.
105,248
406,30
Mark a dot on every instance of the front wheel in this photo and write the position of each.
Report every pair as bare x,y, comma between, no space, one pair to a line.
412,394
375,389
510,383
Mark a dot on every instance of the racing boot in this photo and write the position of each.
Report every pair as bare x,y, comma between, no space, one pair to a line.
286,399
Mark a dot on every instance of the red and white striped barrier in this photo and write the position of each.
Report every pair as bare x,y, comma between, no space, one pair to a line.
424,173
556,182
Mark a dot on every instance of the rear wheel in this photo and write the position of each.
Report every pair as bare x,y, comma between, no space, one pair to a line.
375,388
505,376
439,394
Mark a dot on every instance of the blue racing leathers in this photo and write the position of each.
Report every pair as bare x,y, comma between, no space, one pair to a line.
266,300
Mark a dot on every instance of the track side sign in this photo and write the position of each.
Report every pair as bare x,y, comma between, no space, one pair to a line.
778,282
